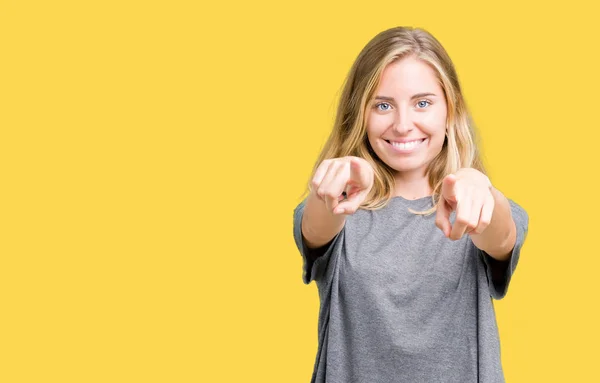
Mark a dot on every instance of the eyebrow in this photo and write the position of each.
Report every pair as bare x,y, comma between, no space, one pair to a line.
418,95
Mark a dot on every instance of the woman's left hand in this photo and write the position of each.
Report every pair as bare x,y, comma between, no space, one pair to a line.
468,191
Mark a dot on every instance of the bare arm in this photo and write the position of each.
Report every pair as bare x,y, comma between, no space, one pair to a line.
319,224
499,237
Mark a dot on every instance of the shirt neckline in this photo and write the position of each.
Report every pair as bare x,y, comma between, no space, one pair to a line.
419,202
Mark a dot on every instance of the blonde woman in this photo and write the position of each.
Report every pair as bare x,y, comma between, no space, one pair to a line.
406,237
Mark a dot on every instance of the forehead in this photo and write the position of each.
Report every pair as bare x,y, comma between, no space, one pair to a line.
408,76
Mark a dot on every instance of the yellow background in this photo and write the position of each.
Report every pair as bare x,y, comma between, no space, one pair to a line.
152,154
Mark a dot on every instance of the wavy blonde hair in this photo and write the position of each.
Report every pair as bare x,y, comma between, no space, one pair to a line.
349,134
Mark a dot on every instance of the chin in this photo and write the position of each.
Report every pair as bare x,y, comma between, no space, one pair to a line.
406,166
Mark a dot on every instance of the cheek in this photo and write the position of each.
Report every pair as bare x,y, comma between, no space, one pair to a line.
434,122
378,124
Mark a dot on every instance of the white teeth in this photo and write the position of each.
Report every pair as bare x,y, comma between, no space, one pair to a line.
406,145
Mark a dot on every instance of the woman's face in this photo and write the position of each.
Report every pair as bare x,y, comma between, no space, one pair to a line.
406,120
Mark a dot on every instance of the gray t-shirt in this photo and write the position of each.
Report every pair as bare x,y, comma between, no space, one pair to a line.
399,302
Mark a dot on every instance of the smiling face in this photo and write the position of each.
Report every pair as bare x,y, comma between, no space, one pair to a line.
406,121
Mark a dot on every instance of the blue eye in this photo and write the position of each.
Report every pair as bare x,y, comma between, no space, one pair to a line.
423,103
382,103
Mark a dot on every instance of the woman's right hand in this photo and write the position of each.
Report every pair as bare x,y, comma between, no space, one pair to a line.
353,175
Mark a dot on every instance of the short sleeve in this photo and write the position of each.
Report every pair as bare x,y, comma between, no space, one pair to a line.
312,269
499,273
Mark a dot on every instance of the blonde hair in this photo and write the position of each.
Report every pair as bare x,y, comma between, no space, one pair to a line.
348,136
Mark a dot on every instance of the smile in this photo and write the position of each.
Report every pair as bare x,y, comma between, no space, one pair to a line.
406,147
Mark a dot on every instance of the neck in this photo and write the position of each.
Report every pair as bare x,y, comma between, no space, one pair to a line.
412,186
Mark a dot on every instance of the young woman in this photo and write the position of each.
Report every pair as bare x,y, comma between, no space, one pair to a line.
404,234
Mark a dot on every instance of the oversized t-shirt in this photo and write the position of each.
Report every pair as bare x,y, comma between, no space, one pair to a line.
400,302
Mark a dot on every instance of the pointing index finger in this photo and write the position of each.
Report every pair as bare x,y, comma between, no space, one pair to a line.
449,187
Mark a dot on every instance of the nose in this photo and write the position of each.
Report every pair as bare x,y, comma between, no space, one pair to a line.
402,124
